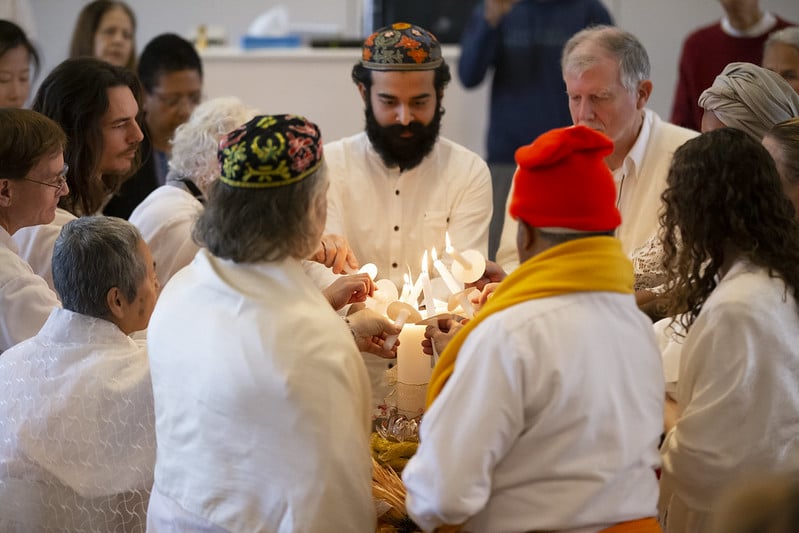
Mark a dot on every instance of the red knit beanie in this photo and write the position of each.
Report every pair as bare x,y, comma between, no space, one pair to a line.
563,183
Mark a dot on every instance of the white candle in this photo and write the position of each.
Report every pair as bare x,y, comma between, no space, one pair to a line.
463,299
406,288
413,365
403,315
427,289
445,274
413,297
456,255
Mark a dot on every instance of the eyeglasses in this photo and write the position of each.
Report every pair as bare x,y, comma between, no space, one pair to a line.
174,100
59,184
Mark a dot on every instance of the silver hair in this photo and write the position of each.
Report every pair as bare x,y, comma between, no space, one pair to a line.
195,142
789,36
91,256
252,225
634,64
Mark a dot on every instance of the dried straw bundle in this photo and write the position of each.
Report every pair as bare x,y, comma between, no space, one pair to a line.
388,487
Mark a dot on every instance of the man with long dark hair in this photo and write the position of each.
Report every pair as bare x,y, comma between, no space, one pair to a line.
97,105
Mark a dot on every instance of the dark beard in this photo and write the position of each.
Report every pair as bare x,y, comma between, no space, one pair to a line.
397,151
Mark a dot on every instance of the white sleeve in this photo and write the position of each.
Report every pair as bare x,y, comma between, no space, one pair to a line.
718,374
25,303
449,478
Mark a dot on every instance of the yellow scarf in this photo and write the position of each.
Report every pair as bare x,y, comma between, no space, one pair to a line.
582,265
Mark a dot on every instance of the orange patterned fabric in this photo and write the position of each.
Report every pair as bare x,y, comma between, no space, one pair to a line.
644,525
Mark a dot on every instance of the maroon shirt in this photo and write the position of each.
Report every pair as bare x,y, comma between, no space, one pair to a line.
705,53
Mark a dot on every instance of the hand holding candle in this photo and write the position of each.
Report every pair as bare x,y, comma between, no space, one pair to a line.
400,313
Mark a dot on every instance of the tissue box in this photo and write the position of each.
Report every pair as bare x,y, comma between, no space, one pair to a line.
291,40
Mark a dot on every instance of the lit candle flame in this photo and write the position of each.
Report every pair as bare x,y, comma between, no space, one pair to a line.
434,255
424,262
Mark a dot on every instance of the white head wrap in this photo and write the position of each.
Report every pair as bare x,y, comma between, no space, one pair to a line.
750,98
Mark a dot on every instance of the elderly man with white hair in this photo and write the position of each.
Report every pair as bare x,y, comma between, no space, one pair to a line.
166,216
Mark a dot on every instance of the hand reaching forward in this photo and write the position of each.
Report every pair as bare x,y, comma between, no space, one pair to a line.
334,251
349,290
370,330
440,334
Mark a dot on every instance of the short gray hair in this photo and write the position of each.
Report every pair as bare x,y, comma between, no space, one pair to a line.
248,225
634,64
789,36
91,256
195,142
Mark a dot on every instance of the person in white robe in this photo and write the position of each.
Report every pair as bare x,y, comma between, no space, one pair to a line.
31,184
255,377
545,410
76,403
734,276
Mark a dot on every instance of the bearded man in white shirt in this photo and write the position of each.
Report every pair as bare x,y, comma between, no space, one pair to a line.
397,188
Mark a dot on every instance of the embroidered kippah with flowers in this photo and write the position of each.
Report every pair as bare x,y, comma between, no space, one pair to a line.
401,46
270,151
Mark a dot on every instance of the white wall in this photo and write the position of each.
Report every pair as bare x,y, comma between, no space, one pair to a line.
660,24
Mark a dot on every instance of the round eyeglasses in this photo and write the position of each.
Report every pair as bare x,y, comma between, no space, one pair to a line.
61,180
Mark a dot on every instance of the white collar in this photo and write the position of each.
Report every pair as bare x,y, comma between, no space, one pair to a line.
763,26
7,241
634,158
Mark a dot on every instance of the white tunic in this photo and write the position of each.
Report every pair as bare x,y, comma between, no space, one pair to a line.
25,298
262,404
36,243
165,219
76,416
550,421
739,394
390,217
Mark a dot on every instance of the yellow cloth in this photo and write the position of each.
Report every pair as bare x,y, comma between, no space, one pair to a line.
591,264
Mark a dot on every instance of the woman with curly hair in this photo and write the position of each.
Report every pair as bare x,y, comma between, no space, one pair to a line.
731,250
